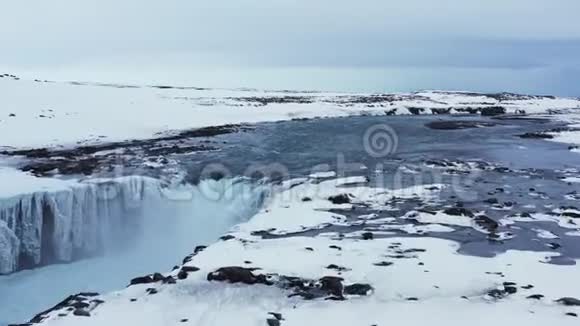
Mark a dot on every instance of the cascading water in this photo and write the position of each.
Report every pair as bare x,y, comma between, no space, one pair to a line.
129,226
63,225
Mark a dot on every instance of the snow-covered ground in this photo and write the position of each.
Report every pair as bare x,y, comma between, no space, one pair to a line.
38,114
351,278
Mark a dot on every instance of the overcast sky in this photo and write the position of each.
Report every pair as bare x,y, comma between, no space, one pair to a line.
519,45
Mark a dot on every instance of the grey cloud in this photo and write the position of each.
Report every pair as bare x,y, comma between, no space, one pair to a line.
493,34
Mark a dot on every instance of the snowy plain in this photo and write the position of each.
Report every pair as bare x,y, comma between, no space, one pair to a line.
39,114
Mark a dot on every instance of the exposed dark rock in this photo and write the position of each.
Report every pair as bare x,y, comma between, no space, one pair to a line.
227,237
412,250
440,111
415,110
571,214
196,251
335,298
491,201
189,269
527,287
510,289
182,275
235,274
262,233
553,245
276,315
367,236
263,101
458,124
486,223
536,135
337,268
187,258
358,289
80,304
305,199
493,110
157,277
384,263
82,160
151,291
273,322
147,279
458,211
469,110
571,314
77,300
340,199
169,280
535,297
332,285
569,301
81,312
496,293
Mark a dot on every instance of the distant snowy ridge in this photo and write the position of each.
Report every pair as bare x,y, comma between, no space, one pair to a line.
73,114
68,220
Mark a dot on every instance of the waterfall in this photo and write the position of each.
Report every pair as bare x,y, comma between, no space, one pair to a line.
64,225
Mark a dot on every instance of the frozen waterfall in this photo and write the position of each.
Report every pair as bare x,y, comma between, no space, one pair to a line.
47,227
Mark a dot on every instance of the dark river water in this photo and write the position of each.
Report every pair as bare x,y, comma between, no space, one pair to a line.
302,145
524,175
